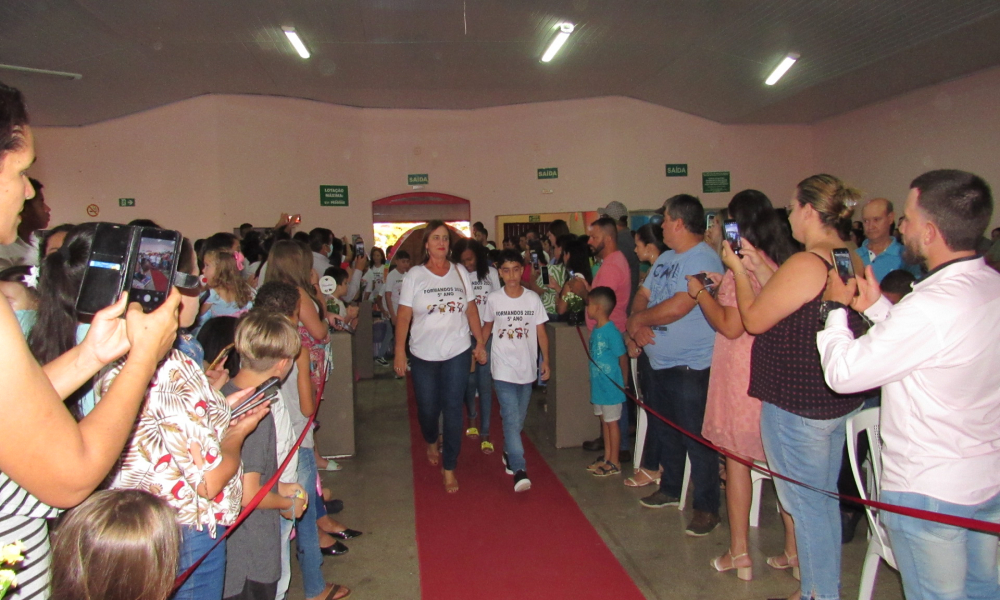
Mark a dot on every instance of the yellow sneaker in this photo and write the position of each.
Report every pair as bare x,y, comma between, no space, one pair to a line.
472,432
486,447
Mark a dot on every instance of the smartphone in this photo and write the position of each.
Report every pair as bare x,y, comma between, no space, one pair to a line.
155,265
705,281
105,276
731,232
296,219
534,258
221,358
545,276
709,220
842,260
265,392
359,245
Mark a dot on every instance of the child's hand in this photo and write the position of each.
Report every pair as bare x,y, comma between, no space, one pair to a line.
545,370
218,378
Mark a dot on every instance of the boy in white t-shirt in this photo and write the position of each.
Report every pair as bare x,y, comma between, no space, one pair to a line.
516,317
390,294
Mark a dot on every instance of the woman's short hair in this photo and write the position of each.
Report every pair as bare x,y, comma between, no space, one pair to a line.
117,545
264,338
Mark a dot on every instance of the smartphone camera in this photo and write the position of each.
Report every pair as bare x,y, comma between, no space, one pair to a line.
731,232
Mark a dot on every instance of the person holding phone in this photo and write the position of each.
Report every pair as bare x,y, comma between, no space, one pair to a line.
802,431
48,460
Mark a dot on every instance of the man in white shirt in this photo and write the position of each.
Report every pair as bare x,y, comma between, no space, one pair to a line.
935,354
34,217
321,242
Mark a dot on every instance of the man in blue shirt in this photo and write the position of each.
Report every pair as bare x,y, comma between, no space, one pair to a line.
881,249
667,325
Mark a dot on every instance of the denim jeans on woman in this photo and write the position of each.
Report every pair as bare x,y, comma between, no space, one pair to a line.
942,562
209,578
481,380
306,534
514,399
439,386
809,450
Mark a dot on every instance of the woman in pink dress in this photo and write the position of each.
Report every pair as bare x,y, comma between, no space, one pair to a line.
732,418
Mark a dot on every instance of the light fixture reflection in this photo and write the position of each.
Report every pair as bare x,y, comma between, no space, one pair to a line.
564,30
781,69
296,41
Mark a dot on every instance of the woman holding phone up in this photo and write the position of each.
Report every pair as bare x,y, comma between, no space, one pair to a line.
437,299
802,430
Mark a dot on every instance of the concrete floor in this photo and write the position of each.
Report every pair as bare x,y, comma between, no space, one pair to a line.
377,489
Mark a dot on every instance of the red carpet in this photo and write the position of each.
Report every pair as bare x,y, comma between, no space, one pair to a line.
487,542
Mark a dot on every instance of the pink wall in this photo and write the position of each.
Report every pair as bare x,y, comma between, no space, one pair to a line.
210,163
881,148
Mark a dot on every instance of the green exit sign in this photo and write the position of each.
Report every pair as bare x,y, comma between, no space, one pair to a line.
677,170
126,202
417,179
548,173
534,218
333,195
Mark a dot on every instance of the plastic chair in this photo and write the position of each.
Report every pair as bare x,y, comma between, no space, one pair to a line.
867,422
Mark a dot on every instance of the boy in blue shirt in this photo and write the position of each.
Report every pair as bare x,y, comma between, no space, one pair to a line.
607,348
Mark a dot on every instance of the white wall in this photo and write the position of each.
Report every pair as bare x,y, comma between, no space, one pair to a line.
882,148
210,163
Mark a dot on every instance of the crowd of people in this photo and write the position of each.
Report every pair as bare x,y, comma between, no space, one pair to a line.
762,347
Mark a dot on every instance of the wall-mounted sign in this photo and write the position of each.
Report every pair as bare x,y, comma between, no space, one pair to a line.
677,170
417,179
126,202
713,182
534,218
93,210
548,173
333,195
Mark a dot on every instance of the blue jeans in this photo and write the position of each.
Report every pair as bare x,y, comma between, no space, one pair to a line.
209,578
810,451
939,561
306,534
514,399
680,394
286,557
440,389
481,380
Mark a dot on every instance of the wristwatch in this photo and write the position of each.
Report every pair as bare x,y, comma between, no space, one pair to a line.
826,307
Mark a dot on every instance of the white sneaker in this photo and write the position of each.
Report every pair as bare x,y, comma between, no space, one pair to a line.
521,482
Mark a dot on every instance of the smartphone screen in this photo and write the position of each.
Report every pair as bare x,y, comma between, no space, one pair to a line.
155,264
731,231
842,260
709,220
545,276
104,280
534,258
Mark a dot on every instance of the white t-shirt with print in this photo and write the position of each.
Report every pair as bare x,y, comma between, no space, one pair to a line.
514,357
481,288
393,283
440,328
374,278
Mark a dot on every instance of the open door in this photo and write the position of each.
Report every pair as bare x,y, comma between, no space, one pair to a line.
396,217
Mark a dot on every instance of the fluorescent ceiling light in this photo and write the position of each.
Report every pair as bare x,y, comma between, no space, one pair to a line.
564,30
782,68
296,42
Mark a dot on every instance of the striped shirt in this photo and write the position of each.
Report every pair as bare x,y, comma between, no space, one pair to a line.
22,517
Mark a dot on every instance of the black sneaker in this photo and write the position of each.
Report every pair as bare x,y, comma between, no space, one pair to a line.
506,465
595,445
660,499
381,361
521,481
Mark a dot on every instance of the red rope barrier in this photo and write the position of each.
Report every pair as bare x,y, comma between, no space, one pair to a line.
926,515
264,490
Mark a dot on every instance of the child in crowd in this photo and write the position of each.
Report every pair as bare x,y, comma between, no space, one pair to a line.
333,286
391,289
282,298
229,293
116,545
897,284
19,285
268,344
516,317
608,352
374,277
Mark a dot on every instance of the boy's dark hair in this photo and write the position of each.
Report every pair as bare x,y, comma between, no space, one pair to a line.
400,255
216,334
958,203
277,296
604,297
898,282
339,275
507,256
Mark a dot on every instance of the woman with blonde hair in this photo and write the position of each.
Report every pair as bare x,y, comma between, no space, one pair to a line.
802,420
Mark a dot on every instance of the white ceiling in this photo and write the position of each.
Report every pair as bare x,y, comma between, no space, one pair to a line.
705,57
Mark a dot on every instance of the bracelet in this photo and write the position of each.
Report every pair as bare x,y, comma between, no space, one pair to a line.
696,296
743,272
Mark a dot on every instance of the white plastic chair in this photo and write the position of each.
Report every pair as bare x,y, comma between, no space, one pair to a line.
866,422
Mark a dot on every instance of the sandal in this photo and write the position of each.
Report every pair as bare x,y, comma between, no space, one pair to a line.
596,464
642,478
338,592
784,561
744,573
472,432
607,469
486,447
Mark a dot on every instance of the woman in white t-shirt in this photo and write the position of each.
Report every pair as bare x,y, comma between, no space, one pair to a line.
436,299
484,279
